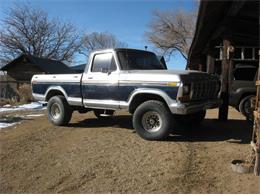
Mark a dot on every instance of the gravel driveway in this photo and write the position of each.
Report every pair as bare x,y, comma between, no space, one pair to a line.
107,156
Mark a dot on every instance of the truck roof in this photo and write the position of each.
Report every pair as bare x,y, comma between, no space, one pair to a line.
121,49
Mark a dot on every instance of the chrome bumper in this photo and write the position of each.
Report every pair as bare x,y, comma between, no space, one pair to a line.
189,108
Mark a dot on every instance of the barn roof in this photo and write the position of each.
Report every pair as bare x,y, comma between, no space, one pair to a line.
238,19
47,65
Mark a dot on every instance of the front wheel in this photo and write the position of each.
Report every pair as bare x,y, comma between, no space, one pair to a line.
59,111
152,120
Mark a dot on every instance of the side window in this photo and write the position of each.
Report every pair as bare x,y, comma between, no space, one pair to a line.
103,63
245,74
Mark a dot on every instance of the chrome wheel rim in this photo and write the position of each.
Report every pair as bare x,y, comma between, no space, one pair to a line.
55,111
152,121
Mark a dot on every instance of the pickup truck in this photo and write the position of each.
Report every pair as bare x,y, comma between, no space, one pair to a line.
134,80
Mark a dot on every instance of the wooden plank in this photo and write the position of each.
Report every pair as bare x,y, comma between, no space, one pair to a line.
257,164
256,131
255,148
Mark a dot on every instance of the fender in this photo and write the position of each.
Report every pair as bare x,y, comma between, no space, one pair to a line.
158,92
58,88
74,101
235,96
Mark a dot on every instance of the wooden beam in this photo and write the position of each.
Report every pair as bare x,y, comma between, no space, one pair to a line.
257,164
225,81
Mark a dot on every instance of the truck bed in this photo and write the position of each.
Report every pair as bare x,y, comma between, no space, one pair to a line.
69,84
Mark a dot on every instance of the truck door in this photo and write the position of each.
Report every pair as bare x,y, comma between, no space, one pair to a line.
100,83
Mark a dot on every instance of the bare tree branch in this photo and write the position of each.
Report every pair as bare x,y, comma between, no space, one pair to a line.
30,31
103,40
172,31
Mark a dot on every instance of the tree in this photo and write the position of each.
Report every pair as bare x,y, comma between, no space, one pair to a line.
30,31
103,40
172,31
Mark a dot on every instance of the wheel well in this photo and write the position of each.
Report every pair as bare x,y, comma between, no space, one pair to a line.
53,93
141,98
244,95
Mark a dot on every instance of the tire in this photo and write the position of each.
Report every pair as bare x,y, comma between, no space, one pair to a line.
190,119
245,108
99,112
59,111
152,120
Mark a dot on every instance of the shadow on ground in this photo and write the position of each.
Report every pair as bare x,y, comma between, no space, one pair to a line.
210,129
12,119
124,121
238,131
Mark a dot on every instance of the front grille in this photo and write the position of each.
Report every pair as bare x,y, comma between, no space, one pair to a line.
201,90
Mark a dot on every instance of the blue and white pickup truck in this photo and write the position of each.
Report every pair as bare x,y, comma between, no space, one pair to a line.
134,80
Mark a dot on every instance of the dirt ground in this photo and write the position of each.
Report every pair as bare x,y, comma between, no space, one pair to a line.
94,156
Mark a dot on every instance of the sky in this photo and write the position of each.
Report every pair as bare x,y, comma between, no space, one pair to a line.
128,20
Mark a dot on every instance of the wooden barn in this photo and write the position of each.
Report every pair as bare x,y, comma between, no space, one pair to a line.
226,35
24,67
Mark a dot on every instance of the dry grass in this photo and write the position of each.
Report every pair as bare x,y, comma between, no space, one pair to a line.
17,97
4,101
25,93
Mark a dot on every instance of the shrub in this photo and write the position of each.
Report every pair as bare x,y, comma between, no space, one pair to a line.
25,93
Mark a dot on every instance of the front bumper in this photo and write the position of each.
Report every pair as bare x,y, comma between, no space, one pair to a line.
192,107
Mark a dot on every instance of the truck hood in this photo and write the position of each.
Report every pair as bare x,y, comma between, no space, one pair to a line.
165,75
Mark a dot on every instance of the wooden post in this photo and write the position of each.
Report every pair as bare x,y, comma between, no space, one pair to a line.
210,62
256,132
225,80
257,163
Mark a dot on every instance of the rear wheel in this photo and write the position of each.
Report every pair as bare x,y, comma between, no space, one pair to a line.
190,119
59,111
152,120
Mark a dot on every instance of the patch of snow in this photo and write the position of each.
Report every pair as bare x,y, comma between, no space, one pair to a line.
4,125
31,106
34,115
7,106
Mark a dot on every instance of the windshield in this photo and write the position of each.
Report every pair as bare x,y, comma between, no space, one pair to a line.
139,60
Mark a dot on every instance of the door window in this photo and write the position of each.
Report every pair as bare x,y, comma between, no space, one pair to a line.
103,63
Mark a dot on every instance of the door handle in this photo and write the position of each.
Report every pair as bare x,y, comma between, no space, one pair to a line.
90,77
